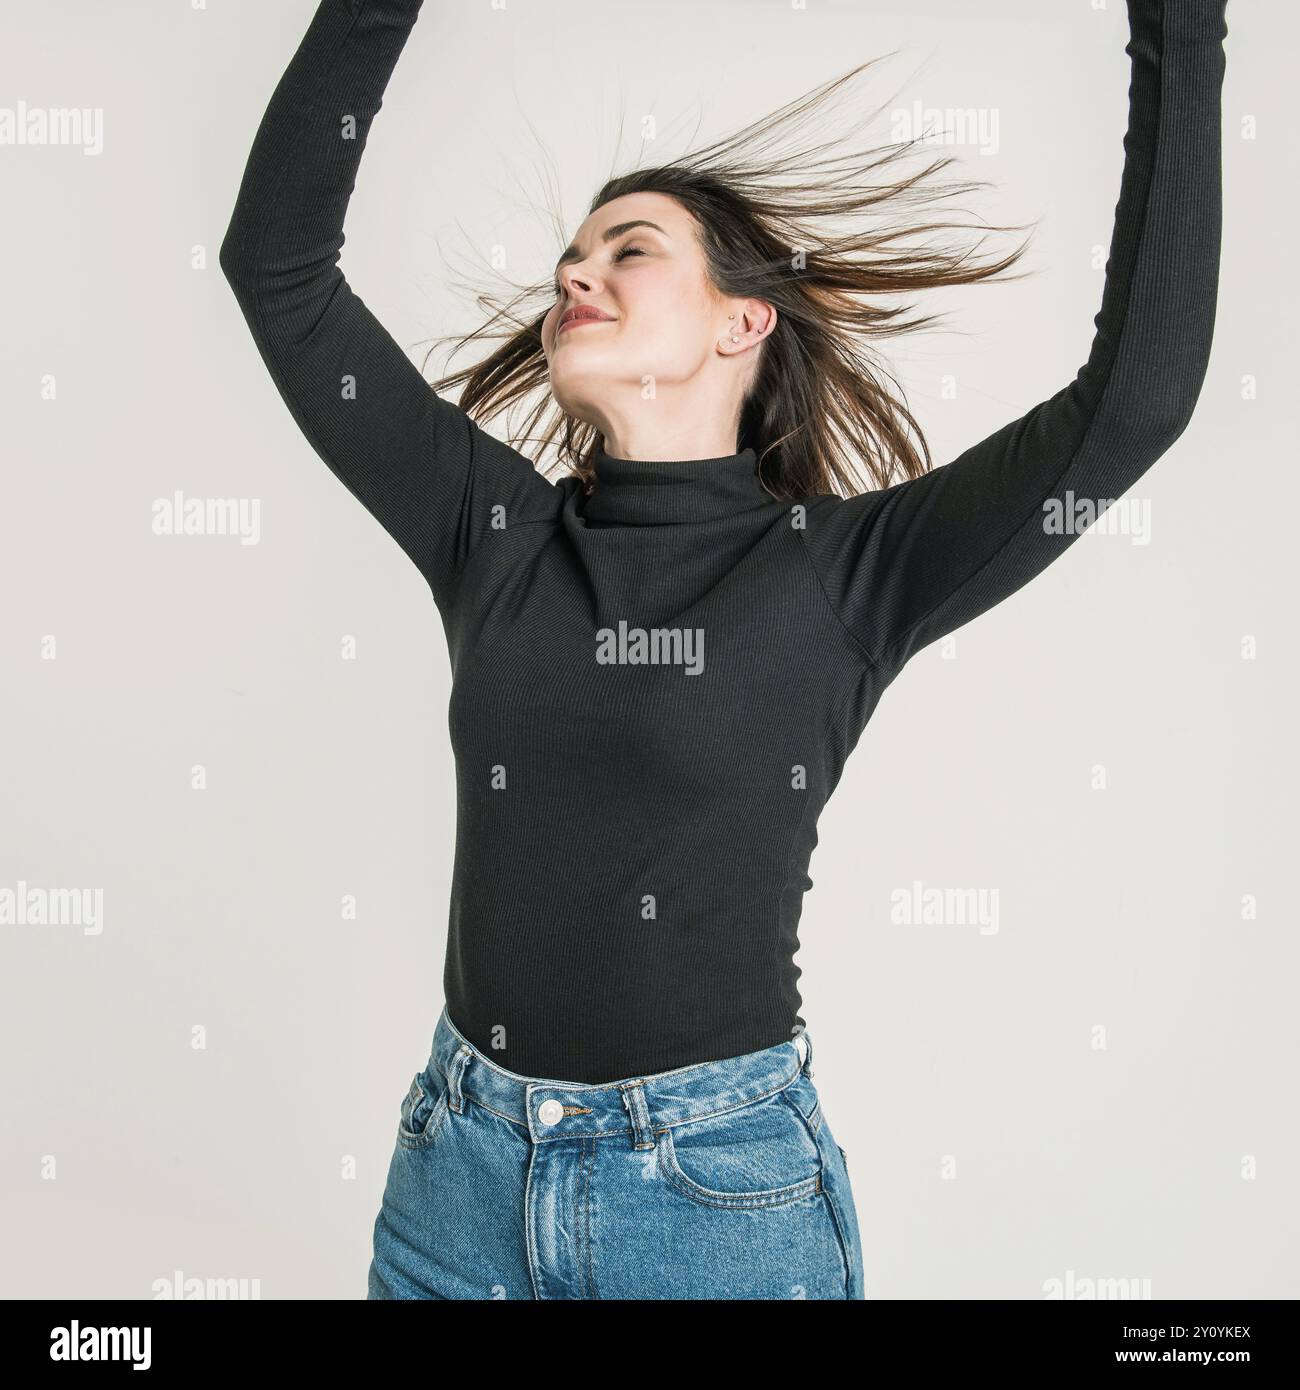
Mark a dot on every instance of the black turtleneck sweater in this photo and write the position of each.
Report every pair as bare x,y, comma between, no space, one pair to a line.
656,686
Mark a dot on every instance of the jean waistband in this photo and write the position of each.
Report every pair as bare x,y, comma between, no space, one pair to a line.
639,1106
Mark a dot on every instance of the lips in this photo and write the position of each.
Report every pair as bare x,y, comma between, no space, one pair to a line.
582,313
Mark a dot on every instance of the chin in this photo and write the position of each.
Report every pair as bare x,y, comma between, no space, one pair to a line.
573,391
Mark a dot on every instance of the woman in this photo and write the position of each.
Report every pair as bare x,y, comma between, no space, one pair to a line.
662,660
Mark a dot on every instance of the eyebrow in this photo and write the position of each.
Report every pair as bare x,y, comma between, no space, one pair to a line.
573,254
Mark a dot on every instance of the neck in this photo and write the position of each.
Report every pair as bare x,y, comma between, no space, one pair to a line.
669,443
694,419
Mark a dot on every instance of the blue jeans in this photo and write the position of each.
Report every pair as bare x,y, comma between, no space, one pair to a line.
721,1180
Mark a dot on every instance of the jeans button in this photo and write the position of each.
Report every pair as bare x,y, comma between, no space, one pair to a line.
550,1112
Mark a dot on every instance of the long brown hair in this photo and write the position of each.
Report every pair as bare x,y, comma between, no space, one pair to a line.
822,413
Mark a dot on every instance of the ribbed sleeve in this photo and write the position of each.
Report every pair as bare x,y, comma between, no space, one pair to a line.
906,565
427,473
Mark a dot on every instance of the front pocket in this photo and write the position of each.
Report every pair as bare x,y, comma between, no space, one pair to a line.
758,1156
421,1115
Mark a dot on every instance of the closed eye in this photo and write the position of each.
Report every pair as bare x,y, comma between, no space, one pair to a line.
618,256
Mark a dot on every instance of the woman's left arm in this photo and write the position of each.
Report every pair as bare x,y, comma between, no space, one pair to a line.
906,565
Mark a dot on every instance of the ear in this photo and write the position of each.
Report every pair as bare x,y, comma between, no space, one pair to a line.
754,320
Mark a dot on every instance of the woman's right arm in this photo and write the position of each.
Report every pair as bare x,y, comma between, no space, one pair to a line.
427,473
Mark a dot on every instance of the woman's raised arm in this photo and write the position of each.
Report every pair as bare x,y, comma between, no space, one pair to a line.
419,464
906,565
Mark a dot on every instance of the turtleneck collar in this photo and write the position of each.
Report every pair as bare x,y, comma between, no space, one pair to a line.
638,492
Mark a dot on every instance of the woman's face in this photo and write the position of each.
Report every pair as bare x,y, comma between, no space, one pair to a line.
663,321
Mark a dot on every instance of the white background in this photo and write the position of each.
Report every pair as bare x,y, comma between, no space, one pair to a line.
993,1145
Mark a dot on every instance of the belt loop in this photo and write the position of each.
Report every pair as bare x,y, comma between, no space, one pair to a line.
803,1045
454,1073
634,1101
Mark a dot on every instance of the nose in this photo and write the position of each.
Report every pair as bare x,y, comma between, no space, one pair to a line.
571,278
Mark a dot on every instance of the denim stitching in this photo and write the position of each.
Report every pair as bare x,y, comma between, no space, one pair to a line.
586,1213
840,1240
411,1140
771,1197
841,1243
468,1094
